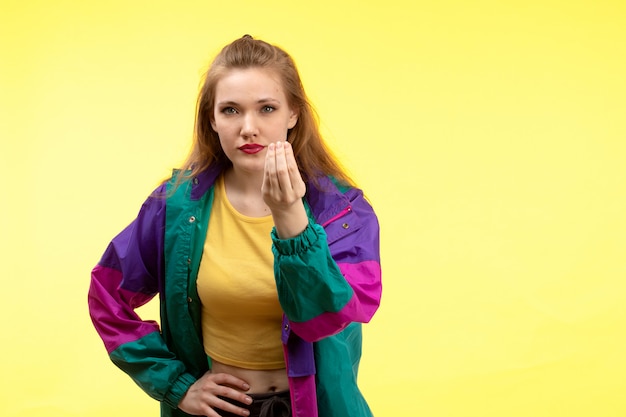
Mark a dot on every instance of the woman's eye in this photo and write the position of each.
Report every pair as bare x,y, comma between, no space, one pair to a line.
229,110
268,109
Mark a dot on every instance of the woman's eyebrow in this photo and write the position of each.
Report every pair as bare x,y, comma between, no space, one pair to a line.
268,100
259,101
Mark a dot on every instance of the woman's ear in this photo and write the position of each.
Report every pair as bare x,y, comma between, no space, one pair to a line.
293,119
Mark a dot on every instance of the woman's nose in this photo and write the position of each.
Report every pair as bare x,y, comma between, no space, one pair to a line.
250,125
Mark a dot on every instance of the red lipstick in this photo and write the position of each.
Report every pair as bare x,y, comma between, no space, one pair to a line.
251,148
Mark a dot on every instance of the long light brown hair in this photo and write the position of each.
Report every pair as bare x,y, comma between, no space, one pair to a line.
312,155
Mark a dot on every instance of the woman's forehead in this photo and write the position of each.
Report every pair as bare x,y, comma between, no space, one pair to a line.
250,83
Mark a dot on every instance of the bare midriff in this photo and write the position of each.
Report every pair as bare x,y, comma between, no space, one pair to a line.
260,381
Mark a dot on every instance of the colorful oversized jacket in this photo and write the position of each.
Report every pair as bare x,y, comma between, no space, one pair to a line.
328,280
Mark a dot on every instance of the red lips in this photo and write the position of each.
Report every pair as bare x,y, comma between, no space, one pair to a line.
251,148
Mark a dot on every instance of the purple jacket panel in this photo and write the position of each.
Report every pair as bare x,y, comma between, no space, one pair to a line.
128,276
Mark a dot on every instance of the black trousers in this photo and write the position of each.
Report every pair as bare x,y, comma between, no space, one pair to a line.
276,404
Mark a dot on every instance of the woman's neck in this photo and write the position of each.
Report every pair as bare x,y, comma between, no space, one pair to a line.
243,190
244,182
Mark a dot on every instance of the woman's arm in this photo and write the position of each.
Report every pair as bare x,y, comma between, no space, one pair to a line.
127,277
329,276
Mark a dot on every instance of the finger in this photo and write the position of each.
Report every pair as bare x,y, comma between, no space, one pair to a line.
222,404
267,180
292,166
228,380
282,171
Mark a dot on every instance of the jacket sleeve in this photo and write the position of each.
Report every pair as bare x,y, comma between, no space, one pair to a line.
329,276
128,276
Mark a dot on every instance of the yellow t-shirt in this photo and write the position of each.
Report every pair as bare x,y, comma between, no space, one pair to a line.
241,315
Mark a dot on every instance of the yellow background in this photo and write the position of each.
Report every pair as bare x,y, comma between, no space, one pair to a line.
489,135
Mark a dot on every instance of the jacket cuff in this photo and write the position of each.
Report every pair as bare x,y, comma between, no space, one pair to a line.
178,390
297,244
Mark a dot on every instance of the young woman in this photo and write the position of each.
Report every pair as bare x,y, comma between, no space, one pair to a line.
264,254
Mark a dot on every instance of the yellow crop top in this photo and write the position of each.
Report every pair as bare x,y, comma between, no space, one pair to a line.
241,315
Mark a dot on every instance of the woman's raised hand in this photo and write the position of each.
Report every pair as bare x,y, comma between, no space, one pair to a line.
283,189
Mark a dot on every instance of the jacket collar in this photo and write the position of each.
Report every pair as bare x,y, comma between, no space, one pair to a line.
325,198
204,180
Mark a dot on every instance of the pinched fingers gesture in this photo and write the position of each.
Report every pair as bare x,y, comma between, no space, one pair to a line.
283,189
282,183
203,397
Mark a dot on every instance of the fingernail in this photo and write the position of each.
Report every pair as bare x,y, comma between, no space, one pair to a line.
271,146
279,145
248,400
246,386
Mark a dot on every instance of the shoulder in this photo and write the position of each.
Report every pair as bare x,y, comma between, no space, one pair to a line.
184,188
327,197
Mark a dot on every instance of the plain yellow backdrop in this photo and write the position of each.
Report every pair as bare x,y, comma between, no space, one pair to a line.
489,135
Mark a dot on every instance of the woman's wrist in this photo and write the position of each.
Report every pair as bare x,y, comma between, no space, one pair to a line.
291,222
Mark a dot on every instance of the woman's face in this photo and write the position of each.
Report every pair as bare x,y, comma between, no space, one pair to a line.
251,111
